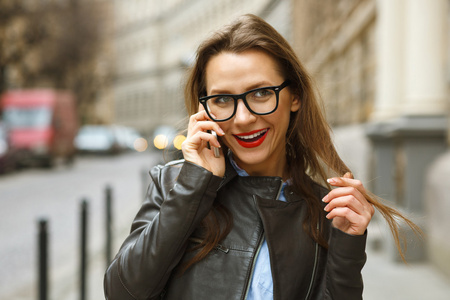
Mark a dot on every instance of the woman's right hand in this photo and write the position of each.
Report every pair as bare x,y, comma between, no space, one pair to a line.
195,148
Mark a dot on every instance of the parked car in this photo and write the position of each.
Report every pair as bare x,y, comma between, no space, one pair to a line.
98,139
42,124
7,153
129,138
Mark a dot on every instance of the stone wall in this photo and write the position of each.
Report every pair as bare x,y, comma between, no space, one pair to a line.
382,69
335,41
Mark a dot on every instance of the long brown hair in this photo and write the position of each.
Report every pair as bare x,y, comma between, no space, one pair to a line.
310,151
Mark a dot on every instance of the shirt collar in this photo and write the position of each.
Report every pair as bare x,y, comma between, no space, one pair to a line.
239,171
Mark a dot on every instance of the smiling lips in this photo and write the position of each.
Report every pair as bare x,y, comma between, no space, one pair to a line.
251,139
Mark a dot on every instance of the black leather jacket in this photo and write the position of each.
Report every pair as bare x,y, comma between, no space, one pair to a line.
182,194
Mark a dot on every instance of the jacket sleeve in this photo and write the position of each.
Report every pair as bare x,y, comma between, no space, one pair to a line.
346,258
172,210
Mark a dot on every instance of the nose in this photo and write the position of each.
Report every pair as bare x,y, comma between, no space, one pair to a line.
243,115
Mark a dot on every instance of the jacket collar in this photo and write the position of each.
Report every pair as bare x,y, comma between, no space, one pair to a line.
230,173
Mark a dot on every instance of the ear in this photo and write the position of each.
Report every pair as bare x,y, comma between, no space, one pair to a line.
295,104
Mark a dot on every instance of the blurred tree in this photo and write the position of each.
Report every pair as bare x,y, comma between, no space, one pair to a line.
70,59
54,44
20,31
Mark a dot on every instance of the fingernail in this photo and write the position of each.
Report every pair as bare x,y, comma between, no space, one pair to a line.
324,199
325,208
221,131
331,180
349,175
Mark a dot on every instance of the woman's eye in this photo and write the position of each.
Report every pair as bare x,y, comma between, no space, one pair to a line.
222,100
262,93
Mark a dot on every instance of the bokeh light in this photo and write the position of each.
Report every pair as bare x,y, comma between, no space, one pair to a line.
160,141
178,140
140,144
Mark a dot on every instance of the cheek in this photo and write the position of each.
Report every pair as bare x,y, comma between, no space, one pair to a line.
281,122
280,117
225,126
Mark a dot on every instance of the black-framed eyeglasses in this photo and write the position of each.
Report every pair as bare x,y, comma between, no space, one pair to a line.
260,101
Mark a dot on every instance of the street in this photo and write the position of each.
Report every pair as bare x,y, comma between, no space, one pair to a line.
56,195
29,195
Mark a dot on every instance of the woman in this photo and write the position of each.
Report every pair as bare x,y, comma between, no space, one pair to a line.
255,222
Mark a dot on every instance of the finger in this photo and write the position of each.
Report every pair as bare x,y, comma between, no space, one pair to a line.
356,220
349,197
343,191
204,126
199,139
202,108
346,213
348,175
346,201
199,144
200,116
207,126
353,224
343,181
207,137
193,119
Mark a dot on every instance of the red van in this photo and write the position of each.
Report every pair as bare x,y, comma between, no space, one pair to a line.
42,125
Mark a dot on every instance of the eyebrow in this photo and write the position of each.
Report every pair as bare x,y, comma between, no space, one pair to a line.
256,85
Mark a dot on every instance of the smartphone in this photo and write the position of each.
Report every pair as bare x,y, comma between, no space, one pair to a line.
216,150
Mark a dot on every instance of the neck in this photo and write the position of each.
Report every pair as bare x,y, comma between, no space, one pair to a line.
270,168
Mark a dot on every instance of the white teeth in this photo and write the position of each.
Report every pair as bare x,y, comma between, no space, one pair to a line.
252,136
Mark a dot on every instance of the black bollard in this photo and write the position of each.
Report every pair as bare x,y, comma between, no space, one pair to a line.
83,249
43,259
108,219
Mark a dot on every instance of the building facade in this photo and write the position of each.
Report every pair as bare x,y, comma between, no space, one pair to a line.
382,68
156,41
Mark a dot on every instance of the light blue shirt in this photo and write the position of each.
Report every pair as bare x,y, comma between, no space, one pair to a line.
261,285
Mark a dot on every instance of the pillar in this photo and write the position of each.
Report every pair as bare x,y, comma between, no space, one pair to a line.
409,125
389,52
425,57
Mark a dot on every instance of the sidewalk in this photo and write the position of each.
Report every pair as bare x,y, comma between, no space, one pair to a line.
96,271
385,278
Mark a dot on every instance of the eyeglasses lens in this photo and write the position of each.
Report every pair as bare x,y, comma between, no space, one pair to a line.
260,101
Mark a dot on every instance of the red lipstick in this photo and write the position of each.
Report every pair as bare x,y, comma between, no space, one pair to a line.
251,139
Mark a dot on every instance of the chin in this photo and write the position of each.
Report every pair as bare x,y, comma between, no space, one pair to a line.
250,157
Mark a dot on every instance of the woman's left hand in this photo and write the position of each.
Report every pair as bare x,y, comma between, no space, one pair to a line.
346,205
